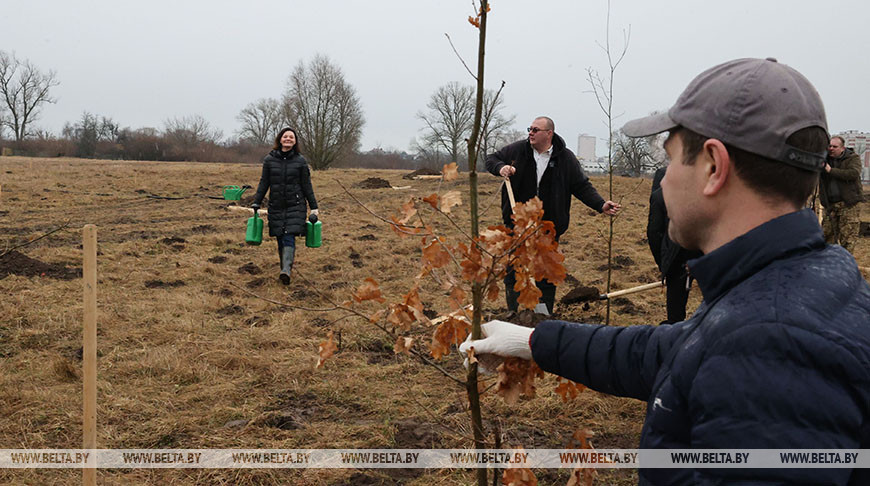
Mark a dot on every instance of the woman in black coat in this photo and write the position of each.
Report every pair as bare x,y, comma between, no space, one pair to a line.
288,179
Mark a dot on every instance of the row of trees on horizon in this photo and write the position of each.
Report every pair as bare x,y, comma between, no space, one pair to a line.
318,102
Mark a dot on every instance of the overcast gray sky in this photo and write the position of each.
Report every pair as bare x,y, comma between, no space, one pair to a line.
143,62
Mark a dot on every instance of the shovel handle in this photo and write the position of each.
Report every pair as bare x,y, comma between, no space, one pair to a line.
510,191
639,288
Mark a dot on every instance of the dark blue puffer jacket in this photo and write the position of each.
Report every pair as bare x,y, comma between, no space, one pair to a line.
776,357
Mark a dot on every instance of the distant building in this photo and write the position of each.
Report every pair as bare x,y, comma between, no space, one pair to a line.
596,166
860,143
586,148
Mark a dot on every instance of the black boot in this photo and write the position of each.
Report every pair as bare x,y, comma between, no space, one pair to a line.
287,254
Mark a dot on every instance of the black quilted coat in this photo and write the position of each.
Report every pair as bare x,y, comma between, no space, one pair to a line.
288,179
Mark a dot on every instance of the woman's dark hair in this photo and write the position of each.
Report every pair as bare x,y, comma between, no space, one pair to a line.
284,130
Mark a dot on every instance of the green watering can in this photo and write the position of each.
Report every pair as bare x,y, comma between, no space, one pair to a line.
313,232
234,193
254,235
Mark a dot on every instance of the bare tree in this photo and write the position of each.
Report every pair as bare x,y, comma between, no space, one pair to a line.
89,131
496,130
448,121
190,131
324,109
450,118
634,156
24,89
261,120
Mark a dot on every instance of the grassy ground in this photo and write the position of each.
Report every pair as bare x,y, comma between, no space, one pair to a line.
192,355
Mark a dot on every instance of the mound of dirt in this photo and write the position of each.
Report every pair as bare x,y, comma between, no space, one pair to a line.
16,263
419,172
580,294
373,183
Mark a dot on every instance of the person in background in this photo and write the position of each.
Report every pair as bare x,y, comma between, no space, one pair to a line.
670,257
840,192
287,178
543,166
777,356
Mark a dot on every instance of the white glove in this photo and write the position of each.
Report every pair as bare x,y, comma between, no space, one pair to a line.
314,212
501,338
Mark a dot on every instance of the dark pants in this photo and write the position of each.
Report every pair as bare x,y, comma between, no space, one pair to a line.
285,240
677,294
547,289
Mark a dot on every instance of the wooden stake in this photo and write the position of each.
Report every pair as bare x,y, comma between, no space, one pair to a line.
510,191
89,348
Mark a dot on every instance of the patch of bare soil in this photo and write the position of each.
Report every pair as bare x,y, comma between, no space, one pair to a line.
232,309
373,183
257,321
217,259
248,200
421,171
865,229
16,263
619,262
203,229
250,268
172,240
160,284
257,282
414,434
625,306
355,259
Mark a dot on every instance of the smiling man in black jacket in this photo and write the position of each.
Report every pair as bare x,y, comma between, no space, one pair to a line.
543,166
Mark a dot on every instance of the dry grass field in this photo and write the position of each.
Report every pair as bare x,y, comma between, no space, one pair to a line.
192,353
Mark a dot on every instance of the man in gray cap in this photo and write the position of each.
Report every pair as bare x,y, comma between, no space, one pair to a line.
778,354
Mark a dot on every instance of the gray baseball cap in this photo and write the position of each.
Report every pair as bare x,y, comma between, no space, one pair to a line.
751,104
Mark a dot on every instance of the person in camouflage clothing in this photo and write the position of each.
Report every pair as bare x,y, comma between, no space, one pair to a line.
840,192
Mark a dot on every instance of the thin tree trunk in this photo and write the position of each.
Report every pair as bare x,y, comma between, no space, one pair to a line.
476,289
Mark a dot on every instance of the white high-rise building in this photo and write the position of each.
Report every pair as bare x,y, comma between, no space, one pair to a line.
586,148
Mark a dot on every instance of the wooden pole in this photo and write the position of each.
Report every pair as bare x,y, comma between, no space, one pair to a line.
510,191
89,348
639,288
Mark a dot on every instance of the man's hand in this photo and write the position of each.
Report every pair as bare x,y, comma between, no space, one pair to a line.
507,170
501,338
827,167
610,208
314,212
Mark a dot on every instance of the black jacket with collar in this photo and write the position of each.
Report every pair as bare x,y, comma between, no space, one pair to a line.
288,179
563,178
